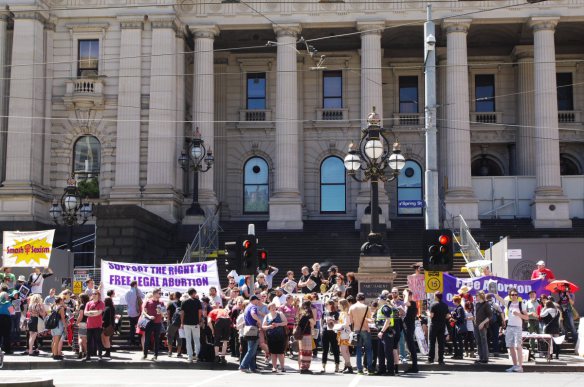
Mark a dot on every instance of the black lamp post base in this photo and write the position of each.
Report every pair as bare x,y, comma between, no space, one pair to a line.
195,210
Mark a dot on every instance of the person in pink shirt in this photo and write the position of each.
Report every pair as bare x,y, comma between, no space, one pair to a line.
543,272
153,310
94,311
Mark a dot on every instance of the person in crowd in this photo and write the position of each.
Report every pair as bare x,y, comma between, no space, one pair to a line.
215,297
358,315
173,309
59,332
317,277
108,325
439,315
261,282
533,322
239,326
543,299
329,336
191,315
516,313
460,327
343,335
252,322
289,277
133,298
290,311
50,299
303,282
94,311
231,285
464,293
338,287
385,322
542,272
269,275
410,328
274,325
550,317
6,277
37,278
566,300
245,289
17,304
483,315
5,322
82,325
399,341
306,323
494,326
219,323
153,310
234,313
352,288
37,314
469,336
332,271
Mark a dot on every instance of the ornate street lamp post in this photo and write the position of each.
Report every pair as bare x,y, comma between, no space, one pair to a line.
200,159
372,156
70,210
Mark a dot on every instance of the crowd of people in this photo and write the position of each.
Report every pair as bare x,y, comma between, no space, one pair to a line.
299,318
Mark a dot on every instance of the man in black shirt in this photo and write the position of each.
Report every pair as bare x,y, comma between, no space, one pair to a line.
439,314
410,328
190,317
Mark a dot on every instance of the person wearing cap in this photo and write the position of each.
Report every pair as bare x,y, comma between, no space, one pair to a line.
7,277
385,322
251,318
37,278
439,315
543,272
20,282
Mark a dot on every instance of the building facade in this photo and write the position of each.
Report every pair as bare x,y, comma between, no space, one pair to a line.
108,91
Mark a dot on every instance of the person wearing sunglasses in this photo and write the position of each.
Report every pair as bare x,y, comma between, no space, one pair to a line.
516,313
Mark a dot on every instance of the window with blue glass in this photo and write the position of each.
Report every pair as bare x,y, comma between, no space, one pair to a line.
484,93
332,90
256,189
409,190
408,94
332,186
565,92
256,91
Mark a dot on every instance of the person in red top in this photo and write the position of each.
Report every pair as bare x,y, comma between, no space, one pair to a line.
153,310
543,272
94,311
220,325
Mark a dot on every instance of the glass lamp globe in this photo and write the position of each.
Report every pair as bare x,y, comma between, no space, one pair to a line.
55,211
352,162
86,210
70,202
374,149
397,161
196,152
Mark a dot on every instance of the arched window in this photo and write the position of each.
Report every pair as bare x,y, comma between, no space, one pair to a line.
332,186
568,166
485,166
409,190
87,164
256,191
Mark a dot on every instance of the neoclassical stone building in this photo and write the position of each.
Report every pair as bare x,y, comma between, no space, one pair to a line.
109,91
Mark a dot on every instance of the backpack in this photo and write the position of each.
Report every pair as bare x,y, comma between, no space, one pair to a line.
520,307
496,316
176,316
52,320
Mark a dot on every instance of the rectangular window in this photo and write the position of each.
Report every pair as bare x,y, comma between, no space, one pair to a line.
256,91
332,90
88,56
485,93
565,92
408,94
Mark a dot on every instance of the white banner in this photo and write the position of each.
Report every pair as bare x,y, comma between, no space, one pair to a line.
170,278
27,248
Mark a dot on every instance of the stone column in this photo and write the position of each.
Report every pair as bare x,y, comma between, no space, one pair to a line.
459,197
3,83
204,105
371,96
286,203
23,195
161,192
551,207
525,142
127,169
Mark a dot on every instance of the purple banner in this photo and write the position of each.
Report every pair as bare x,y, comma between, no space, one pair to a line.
452,284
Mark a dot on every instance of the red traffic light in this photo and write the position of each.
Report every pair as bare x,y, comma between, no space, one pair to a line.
246,244
444,239
263,254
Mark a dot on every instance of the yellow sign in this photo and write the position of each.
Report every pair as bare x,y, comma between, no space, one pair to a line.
434,281
27,248
77,287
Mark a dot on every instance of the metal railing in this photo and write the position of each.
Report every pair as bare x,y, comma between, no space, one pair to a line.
206,241
495,211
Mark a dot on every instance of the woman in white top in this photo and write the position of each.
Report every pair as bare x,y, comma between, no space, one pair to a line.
469,339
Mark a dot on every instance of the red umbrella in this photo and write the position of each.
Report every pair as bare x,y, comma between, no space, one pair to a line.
560,285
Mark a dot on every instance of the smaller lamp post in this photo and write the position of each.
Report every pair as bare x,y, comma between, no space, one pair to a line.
70,210
199,159
373,156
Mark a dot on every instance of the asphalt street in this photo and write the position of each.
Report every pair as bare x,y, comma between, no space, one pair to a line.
209,378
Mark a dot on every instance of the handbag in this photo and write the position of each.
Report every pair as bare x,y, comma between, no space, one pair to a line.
299,332
314,333
354,336
143,323
250,331
109,330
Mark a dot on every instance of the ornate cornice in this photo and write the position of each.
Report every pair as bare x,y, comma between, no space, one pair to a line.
131,22
456,25
522,52
87,27
31,15
371,28
205,32
542,23
169,22
290,30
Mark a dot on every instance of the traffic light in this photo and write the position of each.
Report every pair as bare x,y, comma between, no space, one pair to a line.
438,250
232,255
249,255
263,260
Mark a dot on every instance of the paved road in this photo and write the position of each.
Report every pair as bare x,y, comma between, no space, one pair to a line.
205,378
